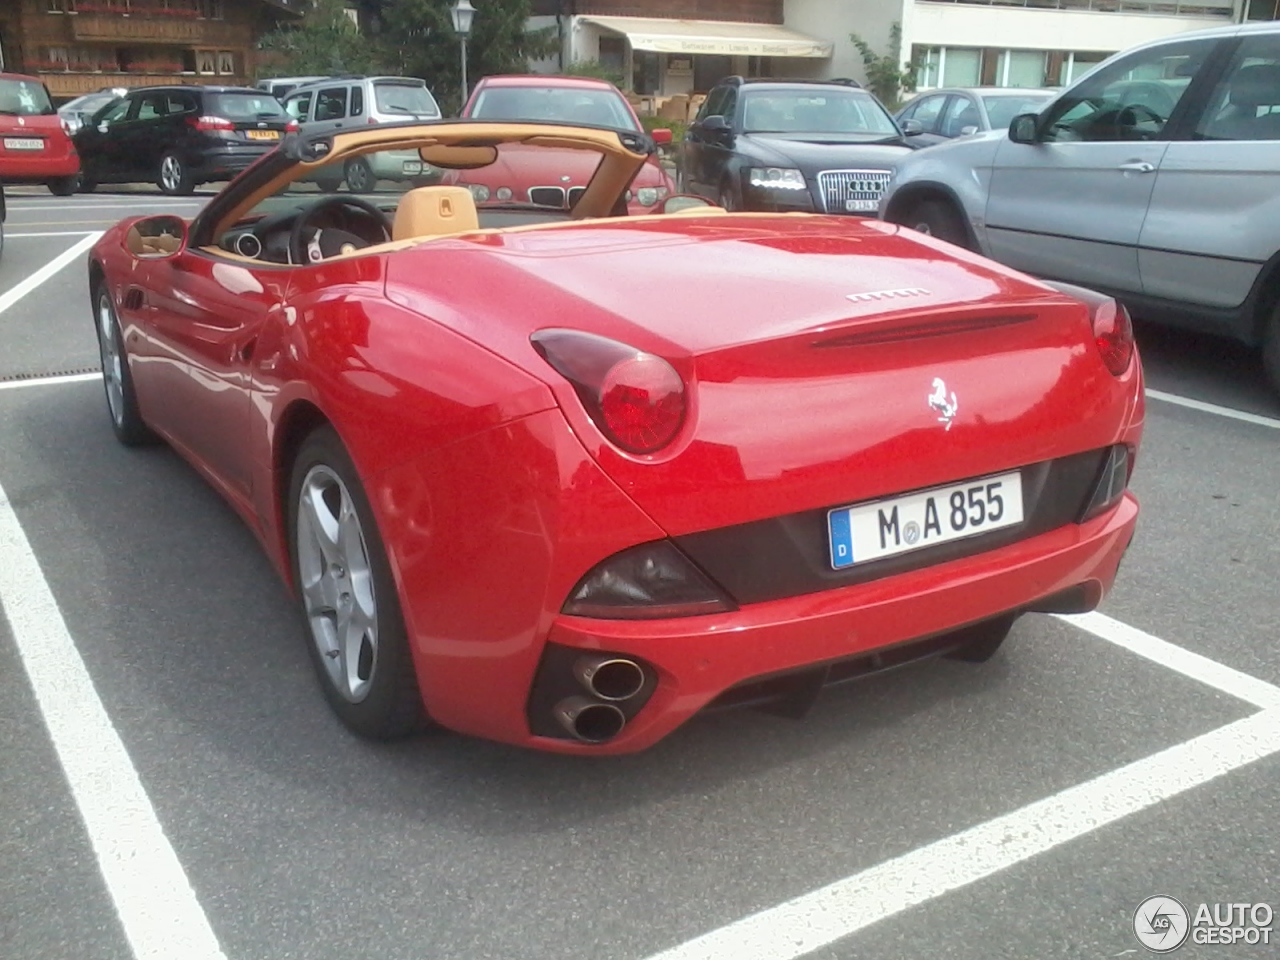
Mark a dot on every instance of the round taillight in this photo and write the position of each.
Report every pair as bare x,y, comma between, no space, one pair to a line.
642,401
1113,336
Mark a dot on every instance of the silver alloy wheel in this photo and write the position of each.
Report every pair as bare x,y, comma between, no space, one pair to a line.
112,361
360,177
171,173
336,582
923,227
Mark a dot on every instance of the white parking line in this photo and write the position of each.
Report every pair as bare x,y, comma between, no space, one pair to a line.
21,289
1213,408
48,381
157,907
1251,690
48,233
818,919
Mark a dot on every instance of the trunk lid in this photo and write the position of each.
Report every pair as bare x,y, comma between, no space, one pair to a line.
814,348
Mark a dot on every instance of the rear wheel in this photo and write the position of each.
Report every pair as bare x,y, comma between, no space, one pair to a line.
86,185
978,643
349,603
175,176
1271,348
64,186
937,218
117,380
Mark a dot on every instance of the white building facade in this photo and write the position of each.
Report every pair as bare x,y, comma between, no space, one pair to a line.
1017,43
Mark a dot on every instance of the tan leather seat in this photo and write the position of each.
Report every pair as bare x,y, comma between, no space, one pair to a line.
433,212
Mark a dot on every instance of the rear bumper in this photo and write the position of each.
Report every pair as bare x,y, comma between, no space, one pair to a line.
38,168
223,163
698,659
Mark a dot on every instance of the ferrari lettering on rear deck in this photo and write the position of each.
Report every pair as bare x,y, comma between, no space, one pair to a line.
874,530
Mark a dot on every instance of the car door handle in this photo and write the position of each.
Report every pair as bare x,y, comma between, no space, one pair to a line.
1138,166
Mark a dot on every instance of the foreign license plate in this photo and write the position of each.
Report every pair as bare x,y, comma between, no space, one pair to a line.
861,206
23,143
870,531
264,134
411,167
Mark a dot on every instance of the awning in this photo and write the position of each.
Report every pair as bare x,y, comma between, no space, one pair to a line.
714,36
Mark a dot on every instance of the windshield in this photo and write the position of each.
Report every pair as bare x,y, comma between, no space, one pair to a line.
24,98
1002,110
410,99
598,108
805,111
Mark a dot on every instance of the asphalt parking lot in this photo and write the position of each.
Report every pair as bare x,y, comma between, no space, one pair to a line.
172,783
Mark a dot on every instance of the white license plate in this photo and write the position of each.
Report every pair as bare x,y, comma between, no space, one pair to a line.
870,531
411,166
23,143
860,206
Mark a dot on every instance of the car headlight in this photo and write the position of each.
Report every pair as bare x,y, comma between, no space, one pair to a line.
648,196
479,192
504,193
776,178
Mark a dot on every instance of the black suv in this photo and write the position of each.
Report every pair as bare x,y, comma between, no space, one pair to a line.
179,137
825,146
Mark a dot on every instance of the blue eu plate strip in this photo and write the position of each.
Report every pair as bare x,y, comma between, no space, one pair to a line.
841,539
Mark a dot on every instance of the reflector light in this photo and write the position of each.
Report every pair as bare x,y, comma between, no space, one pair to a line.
1113,336
637,399
646,582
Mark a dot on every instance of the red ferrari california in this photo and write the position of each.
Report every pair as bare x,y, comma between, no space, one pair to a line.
565,478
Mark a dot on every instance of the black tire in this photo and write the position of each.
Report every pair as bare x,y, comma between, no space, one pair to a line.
359,176
938,218
979,642
64,186
1271,348
117,379
1,238
389,705
329,184
86,185
174,176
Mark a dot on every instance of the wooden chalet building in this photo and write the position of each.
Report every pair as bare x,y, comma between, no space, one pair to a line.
79,46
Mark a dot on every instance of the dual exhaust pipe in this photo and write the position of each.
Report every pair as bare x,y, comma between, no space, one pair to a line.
610,680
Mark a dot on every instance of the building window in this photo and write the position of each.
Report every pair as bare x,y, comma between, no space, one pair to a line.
1020,68
211,9
226,62
60,6
206,61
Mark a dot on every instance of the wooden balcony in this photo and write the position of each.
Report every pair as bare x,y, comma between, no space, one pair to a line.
136,29
62,85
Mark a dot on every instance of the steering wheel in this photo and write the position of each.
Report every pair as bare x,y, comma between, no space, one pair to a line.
1130,115
309,244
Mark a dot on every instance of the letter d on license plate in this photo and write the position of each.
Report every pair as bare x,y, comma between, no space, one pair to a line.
870,531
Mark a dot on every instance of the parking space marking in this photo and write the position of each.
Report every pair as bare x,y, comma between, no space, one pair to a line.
818,919
1251,690
49,233
49,381
22,288
1213,408
158,909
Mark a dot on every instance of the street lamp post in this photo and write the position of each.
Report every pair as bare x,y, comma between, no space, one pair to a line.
463,13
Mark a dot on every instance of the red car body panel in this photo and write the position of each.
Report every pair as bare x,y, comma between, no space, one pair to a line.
808,359
56,157
521,167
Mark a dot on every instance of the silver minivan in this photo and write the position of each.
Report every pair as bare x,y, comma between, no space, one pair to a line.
1155,177
341,103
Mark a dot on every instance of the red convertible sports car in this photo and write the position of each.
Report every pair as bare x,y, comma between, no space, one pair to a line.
565,478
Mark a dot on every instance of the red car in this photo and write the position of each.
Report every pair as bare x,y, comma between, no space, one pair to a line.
555,178
567,478
34,145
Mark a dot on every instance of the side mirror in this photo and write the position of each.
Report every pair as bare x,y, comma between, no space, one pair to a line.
156,238
1022,129
102,127
911,128
681,202
716,125
661,135
968,131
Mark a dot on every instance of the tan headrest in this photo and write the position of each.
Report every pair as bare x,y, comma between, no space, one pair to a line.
433,212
